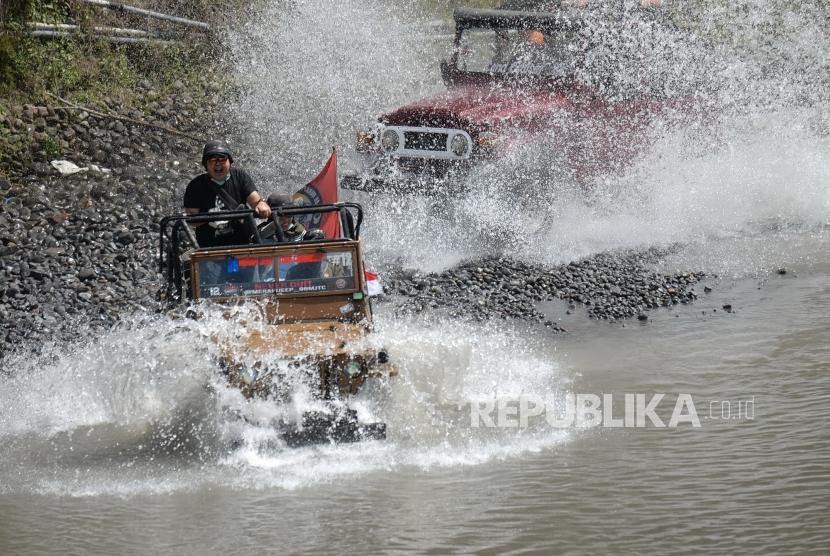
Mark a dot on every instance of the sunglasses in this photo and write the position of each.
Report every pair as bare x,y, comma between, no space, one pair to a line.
217,158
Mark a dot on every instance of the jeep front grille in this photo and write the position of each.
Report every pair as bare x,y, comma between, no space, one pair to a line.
425,142
422,141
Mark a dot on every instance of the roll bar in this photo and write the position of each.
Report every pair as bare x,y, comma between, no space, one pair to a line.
349,225
473,17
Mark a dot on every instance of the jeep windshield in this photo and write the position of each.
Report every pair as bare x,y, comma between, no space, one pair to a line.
517,53
521,46
297,272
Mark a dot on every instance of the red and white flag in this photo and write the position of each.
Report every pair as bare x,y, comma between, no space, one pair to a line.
373,286
322,190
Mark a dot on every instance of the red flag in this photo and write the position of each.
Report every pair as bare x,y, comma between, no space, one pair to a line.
322,190
373,285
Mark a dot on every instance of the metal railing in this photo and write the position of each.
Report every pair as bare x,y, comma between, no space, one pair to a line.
147,13
117,34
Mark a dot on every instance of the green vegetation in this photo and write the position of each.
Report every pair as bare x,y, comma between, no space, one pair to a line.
86,68
89,70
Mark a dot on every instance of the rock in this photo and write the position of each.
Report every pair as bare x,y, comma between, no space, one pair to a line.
727,307
86,274
642,317
39,273
782,271
59,217
124,237
512,288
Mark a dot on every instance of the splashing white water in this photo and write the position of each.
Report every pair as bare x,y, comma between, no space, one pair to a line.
312,73
743,176
145,409
444,368
131,377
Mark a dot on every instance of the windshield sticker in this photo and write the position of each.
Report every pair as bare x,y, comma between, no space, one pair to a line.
298,286
287,274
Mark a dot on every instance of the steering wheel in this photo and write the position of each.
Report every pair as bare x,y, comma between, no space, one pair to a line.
267,229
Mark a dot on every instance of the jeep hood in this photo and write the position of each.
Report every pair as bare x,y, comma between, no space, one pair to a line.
481,107
298,340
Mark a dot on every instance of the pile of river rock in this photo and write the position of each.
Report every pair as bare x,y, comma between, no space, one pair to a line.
609,286
78,252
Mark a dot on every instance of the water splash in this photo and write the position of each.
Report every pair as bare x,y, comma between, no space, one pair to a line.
445,367
309,78
743,176
144,409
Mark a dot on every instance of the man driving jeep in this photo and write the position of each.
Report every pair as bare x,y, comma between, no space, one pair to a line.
222,187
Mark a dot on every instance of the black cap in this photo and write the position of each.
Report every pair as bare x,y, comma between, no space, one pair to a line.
213,148
279,199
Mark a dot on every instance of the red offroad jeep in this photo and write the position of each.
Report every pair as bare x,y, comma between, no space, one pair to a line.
515,79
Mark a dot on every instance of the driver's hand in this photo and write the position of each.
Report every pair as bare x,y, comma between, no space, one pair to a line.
263,209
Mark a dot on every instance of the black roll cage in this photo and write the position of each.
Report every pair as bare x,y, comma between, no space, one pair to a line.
351,219
473,17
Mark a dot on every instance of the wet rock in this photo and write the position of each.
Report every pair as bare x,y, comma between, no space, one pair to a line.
124,237
609,286
59,217
69,225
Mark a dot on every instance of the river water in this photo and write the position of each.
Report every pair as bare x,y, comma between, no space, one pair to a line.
114,445
91,461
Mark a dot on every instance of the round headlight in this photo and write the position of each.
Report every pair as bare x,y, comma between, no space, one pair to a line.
247,375
353,368
459,145
390,140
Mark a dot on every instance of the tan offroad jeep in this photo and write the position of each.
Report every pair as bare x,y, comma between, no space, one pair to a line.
312,298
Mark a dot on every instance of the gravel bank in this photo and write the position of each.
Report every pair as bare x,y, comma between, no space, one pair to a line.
607,286
79,251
